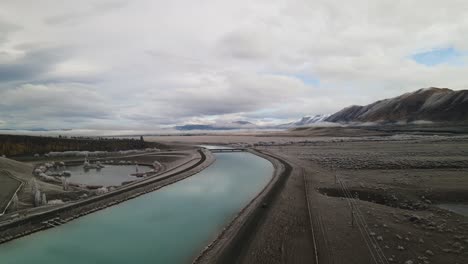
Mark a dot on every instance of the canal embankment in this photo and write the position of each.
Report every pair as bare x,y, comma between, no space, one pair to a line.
48,218
233,241
171,225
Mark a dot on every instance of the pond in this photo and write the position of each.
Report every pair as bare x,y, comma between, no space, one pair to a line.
110,175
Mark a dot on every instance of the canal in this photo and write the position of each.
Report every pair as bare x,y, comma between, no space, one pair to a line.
171,225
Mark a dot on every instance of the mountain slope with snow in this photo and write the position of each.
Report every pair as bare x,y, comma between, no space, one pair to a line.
430,104
306,121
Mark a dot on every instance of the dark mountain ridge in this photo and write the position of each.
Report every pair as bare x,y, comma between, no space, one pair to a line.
429,104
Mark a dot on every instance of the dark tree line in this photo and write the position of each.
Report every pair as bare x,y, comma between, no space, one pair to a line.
15,145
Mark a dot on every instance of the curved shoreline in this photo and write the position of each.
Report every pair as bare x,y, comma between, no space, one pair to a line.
56,216
232,242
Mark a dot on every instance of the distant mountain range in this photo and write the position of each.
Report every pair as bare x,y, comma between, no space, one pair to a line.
227,126
430,104
305,121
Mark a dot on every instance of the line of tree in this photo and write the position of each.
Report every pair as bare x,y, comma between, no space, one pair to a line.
17,145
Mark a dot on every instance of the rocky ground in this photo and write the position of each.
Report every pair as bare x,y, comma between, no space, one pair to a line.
392,188
395,186
369,199
372,199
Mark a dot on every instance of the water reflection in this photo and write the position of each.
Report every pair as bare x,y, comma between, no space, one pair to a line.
110,175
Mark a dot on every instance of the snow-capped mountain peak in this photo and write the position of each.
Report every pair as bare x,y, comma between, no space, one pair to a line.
307,120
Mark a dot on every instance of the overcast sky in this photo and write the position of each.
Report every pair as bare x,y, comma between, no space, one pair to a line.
147,63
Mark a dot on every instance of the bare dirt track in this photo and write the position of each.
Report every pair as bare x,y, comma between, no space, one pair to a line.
372,200
254,237
283,234
346,200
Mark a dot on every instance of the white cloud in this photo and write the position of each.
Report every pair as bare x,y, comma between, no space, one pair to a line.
149,63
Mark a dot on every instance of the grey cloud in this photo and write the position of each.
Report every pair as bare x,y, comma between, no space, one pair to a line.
5,29
163,62
205,95
77,16
19,71
44,104
107,6
33,65
244,45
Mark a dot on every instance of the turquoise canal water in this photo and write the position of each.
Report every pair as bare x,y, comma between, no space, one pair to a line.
171,225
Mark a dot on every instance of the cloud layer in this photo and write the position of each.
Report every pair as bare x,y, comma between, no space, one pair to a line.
146,64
